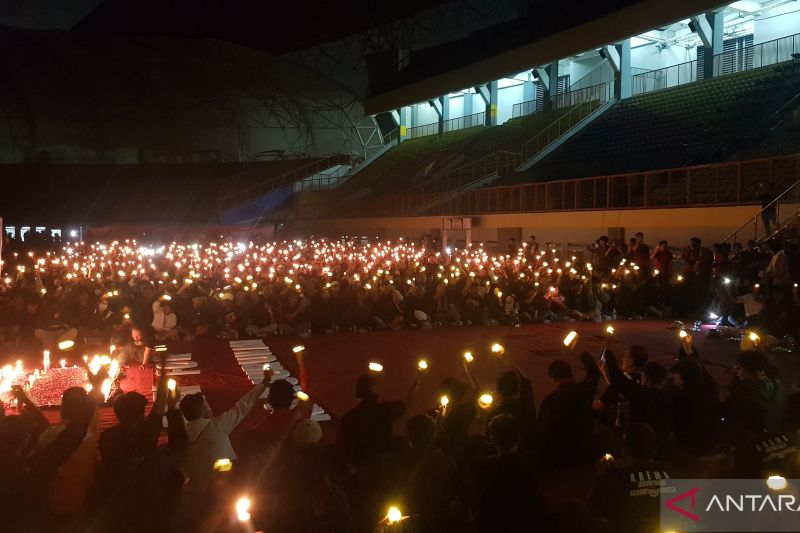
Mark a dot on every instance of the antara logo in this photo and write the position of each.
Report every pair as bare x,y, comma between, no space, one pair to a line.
692,494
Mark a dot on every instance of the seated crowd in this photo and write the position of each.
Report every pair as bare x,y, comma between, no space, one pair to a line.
101,293
471,461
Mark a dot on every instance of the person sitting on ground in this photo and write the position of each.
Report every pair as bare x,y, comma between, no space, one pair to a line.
165,321
387,308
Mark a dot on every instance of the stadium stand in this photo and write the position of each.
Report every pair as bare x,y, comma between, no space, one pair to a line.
419,156
688,125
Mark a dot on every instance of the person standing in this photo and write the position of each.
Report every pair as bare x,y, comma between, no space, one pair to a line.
769,207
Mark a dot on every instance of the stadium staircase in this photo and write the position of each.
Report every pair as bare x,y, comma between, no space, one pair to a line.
698,123
510,148
787,209
413,158
254,201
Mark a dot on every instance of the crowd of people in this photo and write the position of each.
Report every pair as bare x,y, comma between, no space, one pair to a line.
482,458
99,291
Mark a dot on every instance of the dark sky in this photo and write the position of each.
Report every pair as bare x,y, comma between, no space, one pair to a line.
276,26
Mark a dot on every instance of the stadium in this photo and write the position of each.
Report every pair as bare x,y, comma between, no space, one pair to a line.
445,265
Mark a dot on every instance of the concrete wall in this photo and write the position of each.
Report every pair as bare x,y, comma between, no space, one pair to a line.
779,22
711,224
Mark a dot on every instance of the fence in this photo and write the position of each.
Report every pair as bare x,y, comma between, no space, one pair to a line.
559,127
287,178
731,183
528,107
460,123
729,62
757,55
664,78
600,92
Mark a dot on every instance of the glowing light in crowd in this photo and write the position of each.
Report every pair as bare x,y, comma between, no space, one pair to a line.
571,339
243,509
753,336
468,357
485,400
302,396
422,364
375,367
610,330
394,515
498,348
265,367
223,465
299,348
776,482
682,334
46,360
171,384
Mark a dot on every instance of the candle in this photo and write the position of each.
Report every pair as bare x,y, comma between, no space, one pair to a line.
375,367
468,357
171,384
422,364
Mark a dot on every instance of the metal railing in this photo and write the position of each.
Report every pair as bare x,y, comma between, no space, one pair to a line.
664,78
601,73
391,137
728,62
453,124
593,93
284,179
502,162
528,107
757,55
600,91
499,162
730,183
784,206
560,126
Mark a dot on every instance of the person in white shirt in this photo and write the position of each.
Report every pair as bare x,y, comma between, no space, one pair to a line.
165,321
209,436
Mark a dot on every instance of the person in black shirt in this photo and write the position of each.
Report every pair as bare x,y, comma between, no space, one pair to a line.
626,497
506,496
769,208
566,421
632,365
366,430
